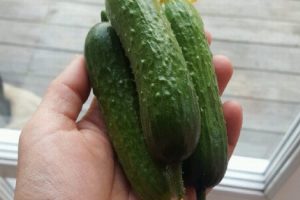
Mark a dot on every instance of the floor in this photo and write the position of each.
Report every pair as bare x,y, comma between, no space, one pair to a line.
261,37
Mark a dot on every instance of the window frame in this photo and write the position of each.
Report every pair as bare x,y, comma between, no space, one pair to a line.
246,178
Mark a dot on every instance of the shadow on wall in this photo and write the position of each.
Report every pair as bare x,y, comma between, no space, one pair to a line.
5,106
16,106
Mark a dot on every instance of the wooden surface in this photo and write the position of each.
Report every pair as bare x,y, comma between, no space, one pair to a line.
261,37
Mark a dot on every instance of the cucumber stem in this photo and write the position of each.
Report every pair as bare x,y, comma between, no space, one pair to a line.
164,1
174,175
103,16
201,194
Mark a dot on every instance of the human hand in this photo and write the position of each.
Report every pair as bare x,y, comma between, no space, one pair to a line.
60,158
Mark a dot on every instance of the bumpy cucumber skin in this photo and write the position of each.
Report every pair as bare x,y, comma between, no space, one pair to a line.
207,165
168,104
113,85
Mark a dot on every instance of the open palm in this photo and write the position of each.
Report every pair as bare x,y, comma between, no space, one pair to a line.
61,158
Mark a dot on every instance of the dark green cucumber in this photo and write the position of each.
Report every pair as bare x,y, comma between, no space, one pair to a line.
168,104
113,85
207,165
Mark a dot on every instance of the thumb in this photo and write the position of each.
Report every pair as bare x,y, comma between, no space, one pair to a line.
63,100
67,93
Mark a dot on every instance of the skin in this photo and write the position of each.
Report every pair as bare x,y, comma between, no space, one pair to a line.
61,157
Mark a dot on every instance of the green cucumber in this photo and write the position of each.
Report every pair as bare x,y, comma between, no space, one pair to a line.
169,108
113,85
207,165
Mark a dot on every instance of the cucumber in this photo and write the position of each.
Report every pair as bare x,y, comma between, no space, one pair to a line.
113,85
207,165
169,108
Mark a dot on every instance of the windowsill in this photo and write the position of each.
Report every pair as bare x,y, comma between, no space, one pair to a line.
246,178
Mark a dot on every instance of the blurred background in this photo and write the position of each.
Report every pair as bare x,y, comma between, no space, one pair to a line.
38,38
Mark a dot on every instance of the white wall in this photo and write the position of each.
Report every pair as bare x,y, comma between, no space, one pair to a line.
291,189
